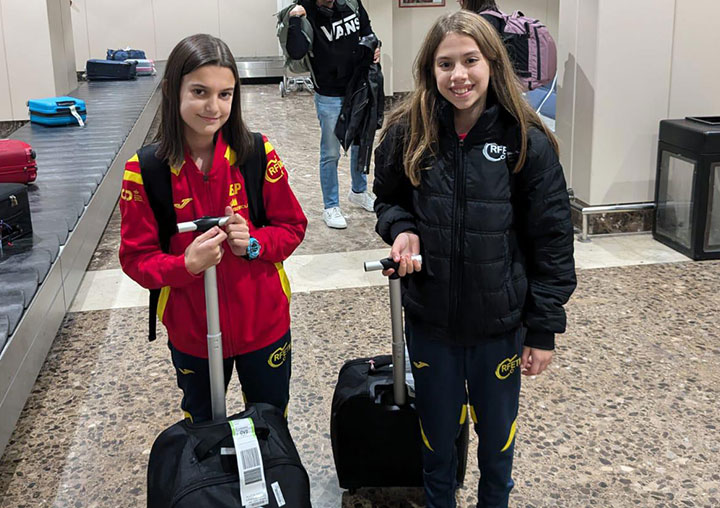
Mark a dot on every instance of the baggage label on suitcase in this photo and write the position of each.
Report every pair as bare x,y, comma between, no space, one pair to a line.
250,465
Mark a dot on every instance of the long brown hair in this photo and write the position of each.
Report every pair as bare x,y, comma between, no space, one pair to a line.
419,110
189,54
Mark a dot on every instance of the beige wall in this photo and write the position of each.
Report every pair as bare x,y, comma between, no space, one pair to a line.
614,90
61,46
27,59
248,26
695,81
381,18
5,96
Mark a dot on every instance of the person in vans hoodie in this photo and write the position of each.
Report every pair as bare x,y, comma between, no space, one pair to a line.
467,175
337,27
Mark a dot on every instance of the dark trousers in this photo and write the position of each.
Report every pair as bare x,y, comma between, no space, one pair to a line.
452,381
264,375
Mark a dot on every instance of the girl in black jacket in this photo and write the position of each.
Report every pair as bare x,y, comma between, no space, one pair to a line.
468,176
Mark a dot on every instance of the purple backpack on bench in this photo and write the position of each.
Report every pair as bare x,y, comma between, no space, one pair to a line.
530,46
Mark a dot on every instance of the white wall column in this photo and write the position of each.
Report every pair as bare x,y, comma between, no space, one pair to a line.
37,54
619,77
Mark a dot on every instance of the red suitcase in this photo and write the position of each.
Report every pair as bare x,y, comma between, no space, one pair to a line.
17,162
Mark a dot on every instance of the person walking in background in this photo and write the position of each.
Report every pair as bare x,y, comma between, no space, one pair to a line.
479,6
337,28
203,142
467,175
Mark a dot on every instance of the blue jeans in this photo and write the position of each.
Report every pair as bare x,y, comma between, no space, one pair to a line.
328,111
485,376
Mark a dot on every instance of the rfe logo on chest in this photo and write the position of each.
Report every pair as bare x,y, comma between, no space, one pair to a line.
494,152
342,28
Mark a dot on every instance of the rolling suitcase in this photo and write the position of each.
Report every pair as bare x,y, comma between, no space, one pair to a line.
247,460
15,219
58,111
374,426
110,70
143,67
17,162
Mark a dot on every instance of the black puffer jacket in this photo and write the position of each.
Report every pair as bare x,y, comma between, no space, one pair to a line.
497,248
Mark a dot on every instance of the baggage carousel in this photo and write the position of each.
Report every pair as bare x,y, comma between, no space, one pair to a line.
78,184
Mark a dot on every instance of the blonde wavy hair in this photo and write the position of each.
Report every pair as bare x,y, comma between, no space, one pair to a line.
419,111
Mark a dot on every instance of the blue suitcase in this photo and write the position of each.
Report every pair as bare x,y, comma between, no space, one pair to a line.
58,111
110,70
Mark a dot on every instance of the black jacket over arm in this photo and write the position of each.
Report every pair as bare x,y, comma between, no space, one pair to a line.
497,248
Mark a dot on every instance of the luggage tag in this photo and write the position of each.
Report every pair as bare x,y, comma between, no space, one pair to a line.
73,112
253,489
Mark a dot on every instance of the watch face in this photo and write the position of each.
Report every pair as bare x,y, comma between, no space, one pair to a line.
253,248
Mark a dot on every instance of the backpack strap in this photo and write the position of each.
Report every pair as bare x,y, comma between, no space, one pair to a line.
253,172
156,180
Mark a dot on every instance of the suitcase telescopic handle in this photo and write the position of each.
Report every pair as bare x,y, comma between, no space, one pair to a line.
214,334
202,224
398,336
387,263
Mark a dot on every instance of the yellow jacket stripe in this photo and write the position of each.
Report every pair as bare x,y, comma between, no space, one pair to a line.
131,176
284,280
162,301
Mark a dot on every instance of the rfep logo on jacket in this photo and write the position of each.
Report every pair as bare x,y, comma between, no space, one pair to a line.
494,152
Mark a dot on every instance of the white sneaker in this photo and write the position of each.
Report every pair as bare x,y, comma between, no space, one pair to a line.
334,218
365,200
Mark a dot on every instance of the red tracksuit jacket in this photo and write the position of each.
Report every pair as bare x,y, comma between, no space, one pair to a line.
254,295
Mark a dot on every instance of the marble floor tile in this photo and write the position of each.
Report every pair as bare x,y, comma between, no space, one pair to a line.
110,288
625,416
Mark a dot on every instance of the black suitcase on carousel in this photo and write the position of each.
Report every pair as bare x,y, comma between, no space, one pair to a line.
15,221
110,70
374,426
248,459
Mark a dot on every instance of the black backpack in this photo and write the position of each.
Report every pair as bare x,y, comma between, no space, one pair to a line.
190,466
156,180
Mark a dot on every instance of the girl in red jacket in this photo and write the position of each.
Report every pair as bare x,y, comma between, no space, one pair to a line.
204,141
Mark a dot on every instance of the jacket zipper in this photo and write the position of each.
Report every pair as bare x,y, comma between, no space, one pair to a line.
458,236
232,478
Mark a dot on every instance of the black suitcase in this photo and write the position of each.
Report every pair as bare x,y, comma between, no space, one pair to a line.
15,219
106,70
197,466
374,426
190,466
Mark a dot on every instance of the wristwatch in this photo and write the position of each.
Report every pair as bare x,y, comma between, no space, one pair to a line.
253,248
